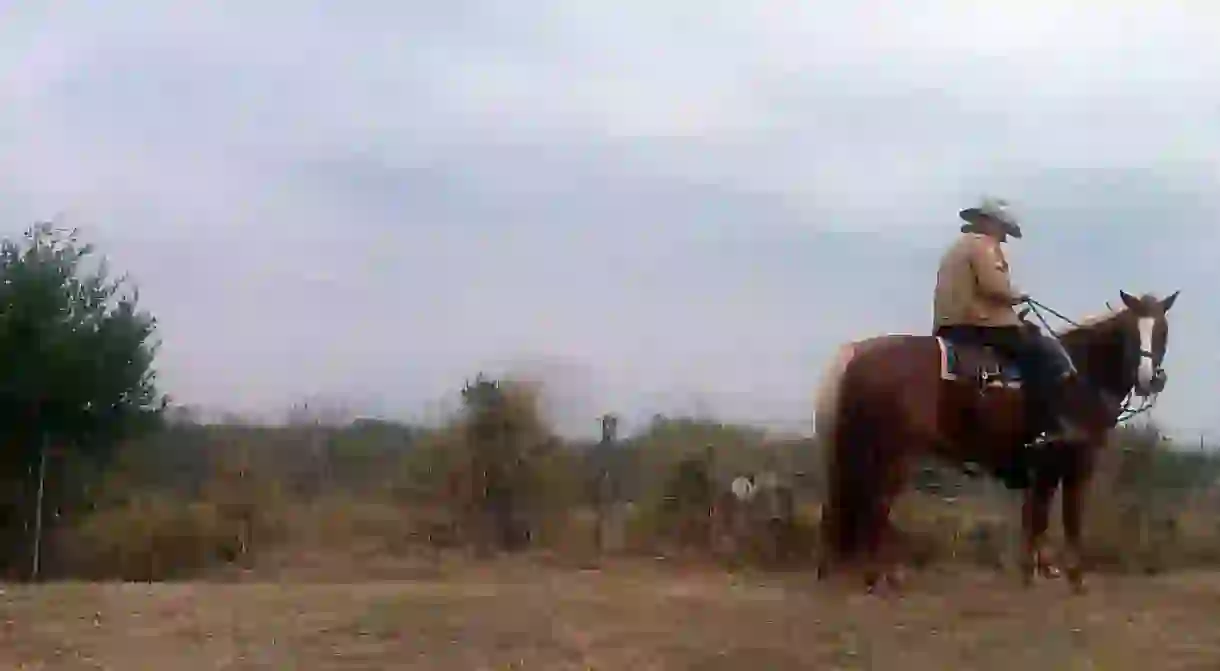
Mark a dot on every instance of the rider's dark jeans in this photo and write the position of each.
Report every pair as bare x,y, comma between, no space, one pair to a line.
1008,341
1035,362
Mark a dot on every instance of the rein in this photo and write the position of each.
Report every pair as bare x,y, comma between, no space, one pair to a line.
1034,308
1128,407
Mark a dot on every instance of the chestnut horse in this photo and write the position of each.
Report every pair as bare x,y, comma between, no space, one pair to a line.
889,399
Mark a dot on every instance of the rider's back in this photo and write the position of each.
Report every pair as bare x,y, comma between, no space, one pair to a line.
973,286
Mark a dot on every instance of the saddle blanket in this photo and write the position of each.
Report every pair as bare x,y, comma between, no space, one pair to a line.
979,363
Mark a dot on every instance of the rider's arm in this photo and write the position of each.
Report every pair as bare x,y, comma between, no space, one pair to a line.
991,271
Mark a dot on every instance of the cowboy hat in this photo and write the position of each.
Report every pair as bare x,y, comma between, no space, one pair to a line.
990,209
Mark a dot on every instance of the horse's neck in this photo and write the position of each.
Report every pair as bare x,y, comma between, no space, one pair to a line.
1100,356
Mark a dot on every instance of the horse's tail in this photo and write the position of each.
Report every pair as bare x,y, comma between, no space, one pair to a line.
837,525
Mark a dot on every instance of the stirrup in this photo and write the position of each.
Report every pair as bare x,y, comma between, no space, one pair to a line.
1067,433
1040,440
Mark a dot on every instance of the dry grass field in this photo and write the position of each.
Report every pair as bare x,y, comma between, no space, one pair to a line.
261,550
638,616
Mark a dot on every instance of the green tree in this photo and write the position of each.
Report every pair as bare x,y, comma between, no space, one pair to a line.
78,359
508,448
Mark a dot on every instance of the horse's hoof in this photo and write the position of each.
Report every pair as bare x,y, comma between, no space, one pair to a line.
1050,572
884,585
878,590
874,583
884,591
896,579
1076,581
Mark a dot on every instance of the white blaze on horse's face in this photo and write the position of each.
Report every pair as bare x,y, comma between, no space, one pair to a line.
1147,370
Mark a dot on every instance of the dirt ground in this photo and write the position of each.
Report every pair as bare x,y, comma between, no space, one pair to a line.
626,617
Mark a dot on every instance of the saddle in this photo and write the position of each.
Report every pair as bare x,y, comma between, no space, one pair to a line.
986,369
979,364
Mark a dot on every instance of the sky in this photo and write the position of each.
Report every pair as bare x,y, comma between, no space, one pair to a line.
679,208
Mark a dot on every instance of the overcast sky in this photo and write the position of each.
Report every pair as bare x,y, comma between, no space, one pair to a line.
655,207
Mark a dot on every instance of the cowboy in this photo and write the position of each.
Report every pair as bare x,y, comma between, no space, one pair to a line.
974,304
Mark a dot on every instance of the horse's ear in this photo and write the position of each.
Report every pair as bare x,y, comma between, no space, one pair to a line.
1130,301
1168,302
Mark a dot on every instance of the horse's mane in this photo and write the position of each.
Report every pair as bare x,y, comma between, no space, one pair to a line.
1093,321
1105,320
1096,323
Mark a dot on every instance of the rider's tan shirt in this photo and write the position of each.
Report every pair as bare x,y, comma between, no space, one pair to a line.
973,286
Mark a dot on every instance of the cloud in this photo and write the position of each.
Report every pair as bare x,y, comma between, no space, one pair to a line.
689,204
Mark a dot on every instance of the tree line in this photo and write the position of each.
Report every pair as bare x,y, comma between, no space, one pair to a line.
80,402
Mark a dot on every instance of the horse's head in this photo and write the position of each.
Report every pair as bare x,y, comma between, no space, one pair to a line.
1148,336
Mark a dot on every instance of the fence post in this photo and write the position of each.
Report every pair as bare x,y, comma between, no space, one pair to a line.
42,478
603,488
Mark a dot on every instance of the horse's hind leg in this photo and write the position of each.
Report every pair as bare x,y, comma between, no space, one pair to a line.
882,566
883,562
890,555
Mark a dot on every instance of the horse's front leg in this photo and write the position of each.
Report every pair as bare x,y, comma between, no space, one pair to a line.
1073,514
1046,566
1035,519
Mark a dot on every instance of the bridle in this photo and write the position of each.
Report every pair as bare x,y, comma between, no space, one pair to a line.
1129,406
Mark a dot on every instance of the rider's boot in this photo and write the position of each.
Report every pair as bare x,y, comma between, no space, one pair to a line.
1061,425
1015,474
